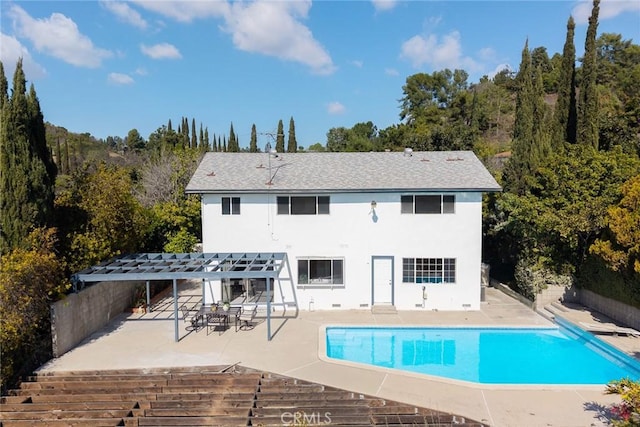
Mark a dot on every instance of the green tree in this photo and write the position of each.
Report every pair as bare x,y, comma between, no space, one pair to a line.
620,246
588,105
27,170
115,221
337,139
4,87
232,146
566,210
521,163
280,137
426,96
292,144
194,138
253,142
30,279
206,145
317,147
565,114
134,142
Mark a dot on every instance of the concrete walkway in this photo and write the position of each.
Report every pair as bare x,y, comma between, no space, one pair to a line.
138,341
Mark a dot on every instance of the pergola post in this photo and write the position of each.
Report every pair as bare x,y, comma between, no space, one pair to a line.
175,309
268,309
148,296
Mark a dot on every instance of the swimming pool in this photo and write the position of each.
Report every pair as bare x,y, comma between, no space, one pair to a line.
557,355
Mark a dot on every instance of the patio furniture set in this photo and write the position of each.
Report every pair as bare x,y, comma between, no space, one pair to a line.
218,317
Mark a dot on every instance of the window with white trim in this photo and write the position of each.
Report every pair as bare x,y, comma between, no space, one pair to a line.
428,204
321,271
231,206
303,205
428,270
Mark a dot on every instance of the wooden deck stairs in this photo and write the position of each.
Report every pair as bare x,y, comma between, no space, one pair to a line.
200,396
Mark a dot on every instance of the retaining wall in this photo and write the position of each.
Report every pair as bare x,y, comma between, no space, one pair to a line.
620,312
79,315
557,293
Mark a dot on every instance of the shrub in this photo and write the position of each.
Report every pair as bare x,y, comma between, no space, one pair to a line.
626,413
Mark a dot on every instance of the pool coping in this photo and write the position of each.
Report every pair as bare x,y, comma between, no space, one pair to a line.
322,355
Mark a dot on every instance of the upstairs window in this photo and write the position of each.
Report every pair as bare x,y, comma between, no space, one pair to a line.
427,204
231,206
303,205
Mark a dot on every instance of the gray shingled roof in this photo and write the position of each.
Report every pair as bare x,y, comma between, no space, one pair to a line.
341,172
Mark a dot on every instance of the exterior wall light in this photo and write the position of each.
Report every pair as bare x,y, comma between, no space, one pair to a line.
373,204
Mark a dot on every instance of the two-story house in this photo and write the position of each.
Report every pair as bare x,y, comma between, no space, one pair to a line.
359,229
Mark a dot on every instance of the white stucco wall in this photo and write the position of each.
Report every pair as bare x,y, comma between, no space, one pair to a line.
350,232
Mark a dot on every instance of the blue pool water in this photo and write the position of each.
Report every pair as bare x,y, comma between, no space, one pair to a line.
560,355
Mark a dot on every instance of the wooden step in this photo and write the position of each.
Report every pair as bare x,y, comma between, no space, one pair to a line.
192,421
89,422
67,406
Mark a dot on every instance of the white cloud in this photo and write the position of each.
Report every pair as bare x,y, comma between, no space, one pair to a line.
335,108
487,54
59,37
186,11
161,51
445,52
267,27
119,79
384,5
357,63
499,68
125,13
391,72
273,28
608,9
141,71
12,50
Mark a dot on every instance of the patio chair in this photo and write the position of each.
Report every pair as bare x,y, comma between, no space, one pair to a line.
189,317
246,317
216,320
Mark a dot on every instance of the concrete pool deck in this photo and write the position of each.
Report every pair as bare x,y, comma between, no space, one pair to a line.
139,341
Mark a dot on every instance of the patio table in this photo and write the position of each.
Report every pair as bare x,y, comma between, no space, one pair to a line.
206,312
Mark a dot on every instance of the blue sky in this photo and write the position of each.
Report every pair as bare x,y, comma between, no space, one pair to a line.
106,67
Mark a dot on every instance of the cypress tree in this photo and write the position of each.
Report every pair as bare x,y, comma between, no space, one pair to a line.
224,144
201,137
588,105
292,144
253,143
169,128
565,114
4,87
519,166
58,153
280,137
194,137
27,171
67,157
206,146
43,169
233,146
5,177
541,144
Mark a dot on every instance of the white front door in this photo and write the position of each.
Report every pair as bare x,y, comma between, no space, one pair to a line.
382,275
